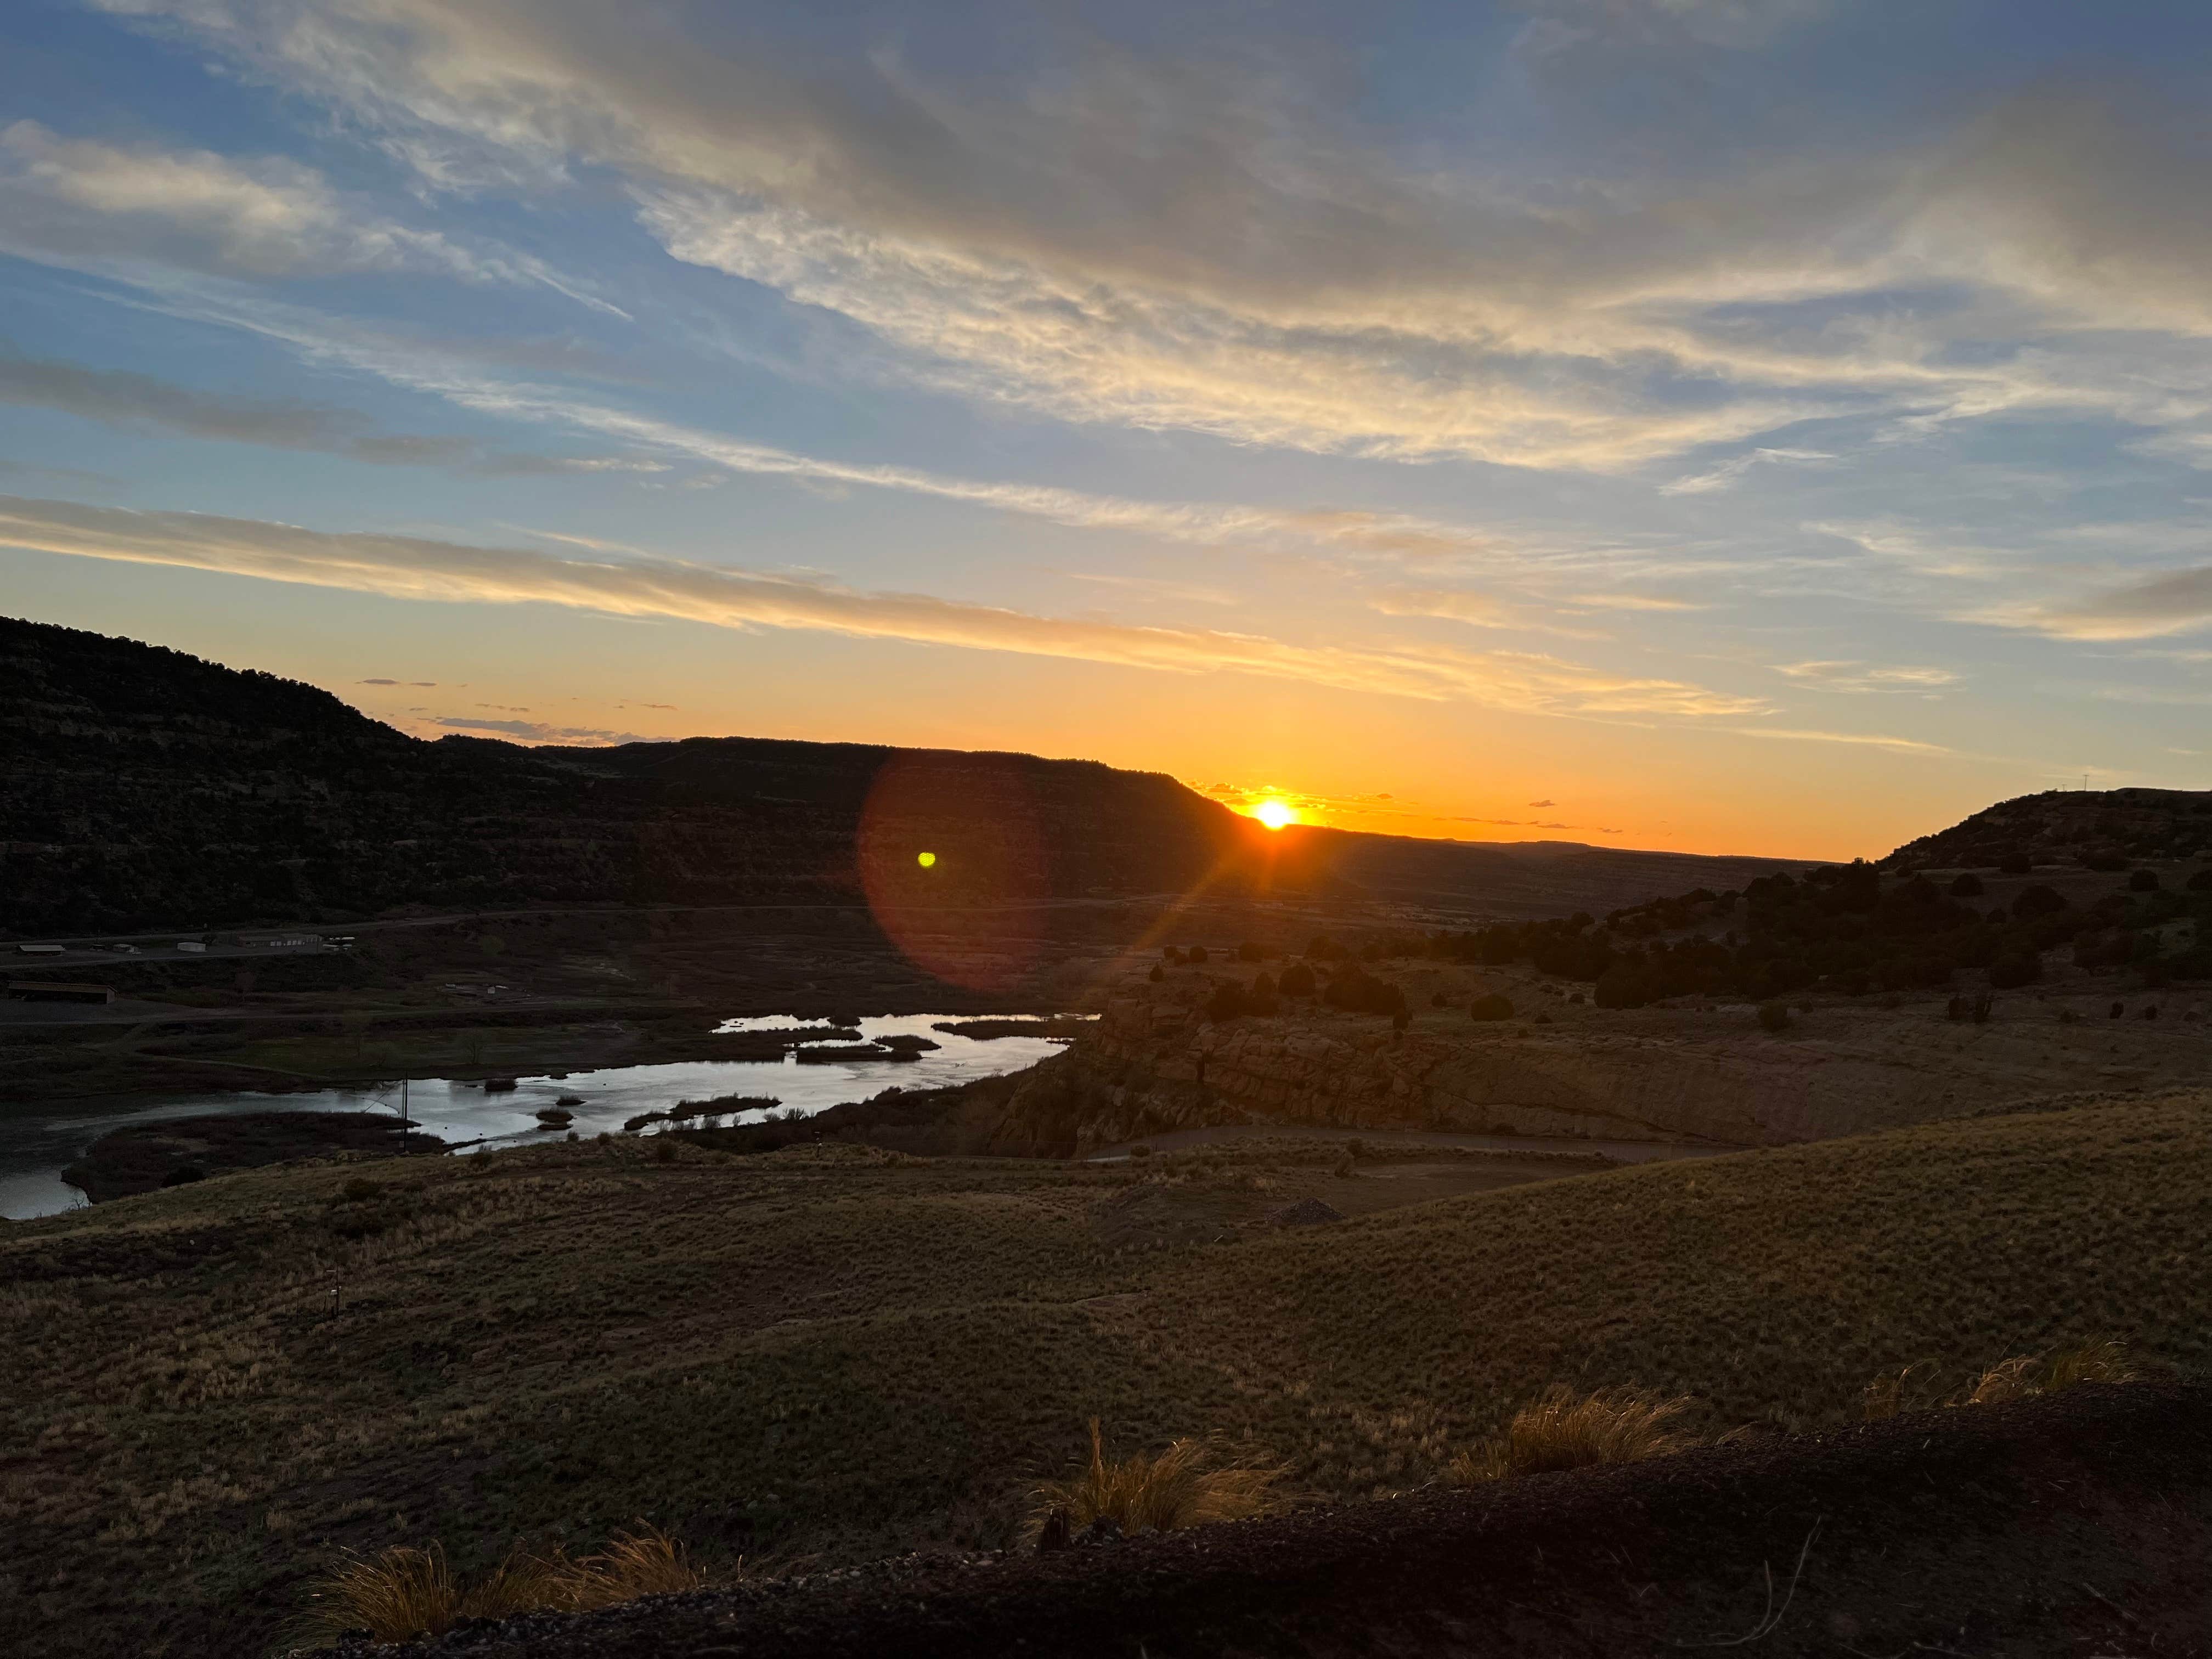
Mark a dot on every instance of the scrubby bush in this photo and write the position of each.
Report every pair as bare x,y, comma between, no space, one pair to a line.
1355,990
1298,981
1774,1016
1248,951
1495,1005
1560,1431
1196,956
2014,864
1967,885
2039,901
1157,973
2144,881
2201,882
2010,973
1172,953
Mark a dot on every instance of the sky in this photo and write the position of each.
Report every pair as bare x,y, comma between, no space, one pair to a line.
1776,427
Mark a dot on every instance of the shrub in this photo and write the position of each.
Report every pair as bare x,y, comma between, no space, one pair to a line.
1166,1493
1171,953
184,1175
1774,1016
358,1189
1967,885
1140,1150
1560,1431
1157,973
1493,1006
1227,1001
2144,881
2014,864
1248,951
2010,973
1298,981
2037,901
2201,882
1195,956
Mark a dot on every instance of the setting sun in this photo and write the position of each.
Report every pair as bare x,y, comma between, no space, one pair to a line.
1275,813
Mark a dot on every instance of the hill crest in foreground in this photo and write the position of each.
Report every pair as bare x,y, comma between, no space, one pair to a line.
2033,1528
841,1354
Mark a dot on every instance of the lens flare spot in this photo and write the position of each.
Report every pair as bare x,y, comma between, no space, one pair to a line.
1275,813
927,860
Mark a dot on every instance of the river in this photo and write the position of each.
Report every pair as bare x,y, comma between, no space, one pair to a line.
36,1143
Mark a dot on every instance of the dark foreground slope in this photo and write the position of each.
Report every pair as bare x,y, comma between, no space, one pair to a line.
833,1355
2073,1524
142,786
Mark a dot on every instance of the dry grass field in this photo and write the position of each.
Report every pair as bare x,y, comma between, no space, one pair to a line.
206,1393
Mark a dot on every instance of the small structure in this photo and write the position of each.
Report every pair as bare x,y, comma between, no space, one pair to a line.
35,990
42,950
194,946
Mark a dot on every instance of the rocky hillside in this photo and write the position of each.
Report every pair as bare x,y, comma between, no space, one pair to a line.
139,786
2098,830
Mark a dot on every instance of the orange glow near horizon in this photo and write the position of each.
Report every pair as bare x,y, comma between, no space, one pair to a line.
1275,813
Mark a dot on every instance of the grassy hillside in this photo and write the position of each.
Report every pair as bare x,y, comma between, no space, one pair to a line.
836,1353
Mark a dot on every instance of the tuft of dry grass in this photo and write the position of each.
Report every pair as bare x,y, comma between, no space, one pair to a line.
1562,1431
2008,1379
396,1595
1162,1493
645,1561
1894,1392
402,1592
2103,1359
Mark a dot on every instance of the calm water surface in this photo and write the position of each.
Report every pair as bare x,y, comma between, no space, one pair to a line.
35,1145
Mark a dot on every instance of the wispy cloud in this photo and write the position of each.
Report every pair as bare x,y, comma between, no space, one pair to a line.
1730,472
2149,607
414,568
80,200
1860,739
1859,677
123,398
1198,244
